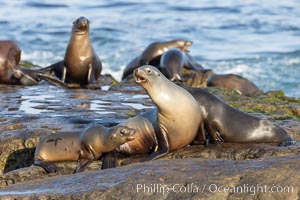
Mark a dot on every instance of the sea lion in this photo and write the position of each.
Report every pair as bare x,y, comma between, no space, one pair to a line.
177,116
174,60
171,64
227,124
10,72
145,138
144,142
233,82
151,54
81,64
83,147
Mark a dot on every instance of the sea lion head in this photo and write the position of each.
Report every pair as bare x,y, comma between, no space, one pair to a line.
184,44
122,134
81,25
146,75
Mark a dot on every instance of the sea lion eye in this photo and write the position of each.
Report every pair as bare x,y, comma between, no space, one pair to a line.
148,71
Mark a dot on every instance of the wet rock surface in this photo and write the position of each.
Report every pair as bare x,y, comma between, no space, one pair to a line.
28,113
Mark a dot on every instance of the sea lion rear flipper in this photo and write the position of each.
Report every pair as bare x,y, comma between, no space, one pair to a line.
162,147
49,167
109,160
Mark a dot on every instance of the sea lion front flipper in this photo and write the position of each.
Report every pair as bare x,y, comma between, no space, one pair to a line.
82,165
64,74
201,136
52,80
109,160
24,78
49,167
162,147
89,77
214,132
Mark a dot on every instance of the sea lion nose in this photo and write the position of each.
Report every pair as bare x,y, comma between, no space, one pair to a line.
135,72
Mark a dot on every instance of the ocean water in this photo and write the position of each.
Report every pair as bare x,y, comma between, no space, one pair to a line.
259,40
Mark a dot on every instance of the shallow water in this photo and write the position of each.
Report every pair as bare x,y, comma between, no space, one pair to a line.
258,40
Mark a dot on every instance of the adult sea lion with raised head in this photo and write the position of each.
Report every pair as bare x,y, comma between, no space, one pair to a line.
81,64
10,72
151,54
227,124
177,118
83,147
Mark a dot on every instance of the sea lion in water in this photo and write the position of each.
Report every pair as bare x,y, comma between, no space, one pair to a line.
227,124
10,72
177,116
233,82
151,55
83,147
174,60
81,64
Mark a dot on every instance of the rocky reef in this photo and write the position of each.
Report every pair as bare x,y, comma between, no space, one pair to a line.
225,171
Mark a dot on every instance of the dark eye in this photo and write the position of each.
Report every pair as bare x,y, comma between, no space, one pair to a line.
148,71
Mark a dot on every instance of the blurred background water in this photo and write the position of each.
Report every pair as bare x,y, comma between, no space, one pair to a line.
259,40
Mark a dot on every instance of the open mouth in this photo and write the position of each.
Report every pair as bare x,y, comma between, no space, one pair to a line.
139,78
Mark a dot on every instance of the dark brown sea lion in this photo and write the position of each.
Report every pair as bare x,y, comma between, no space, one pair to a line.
81,64
233,82
227,124
174,60
83,147
10,72
177,116
151,55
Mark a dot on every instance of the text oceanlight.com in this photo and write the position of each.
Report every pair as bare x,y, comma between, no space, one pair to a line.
208,188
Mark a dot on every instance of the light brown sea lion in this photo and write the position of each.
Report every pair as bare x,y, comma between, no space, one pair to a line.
144,142
227,124
83,147
145,139
10,72
81,64
233,82
174,60
151,55
177,117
